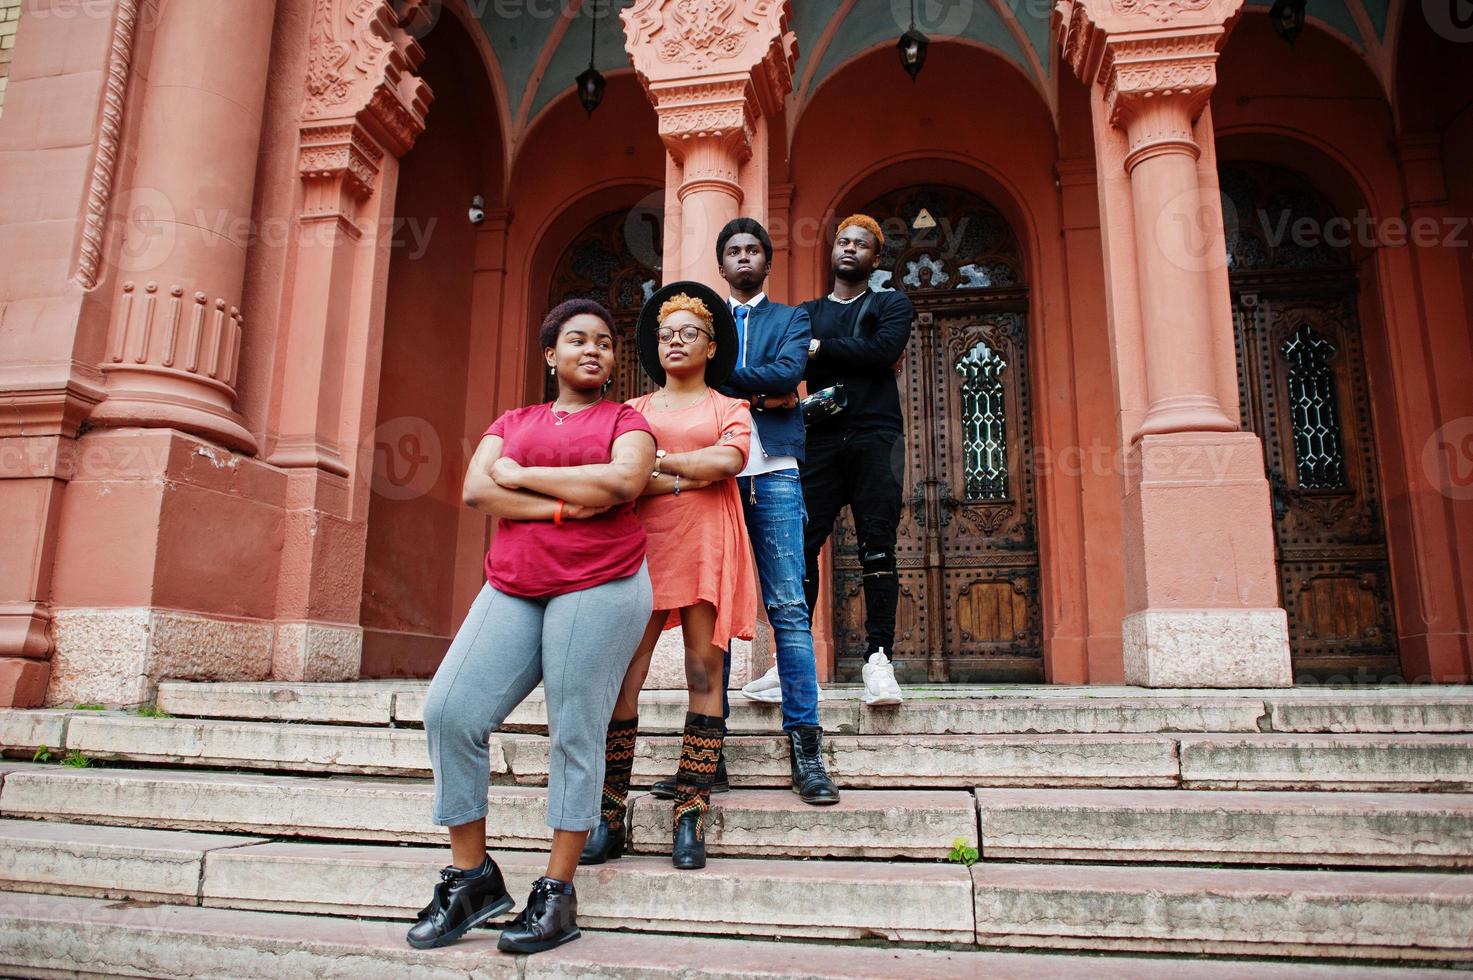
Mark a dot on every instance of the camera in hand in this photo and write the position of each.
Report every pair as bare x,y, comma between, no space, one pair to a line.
824,403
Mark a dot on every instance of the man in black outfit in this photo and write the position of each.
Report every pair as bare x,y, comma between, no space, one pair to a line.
856,457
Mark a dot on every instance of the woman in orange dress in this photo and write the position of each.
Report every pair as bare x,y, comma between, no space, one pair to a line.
699,556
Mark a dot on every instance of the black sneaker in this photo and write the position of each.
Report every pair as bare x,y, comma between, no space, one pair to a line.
462,901
665,788
549,919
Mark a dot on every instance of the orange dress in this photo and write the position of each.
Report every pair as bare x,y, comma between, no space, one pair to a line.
698,549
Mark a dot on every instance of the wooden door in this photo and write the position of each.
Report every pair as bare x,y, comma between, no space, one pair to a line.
967,550
1303,390
599,265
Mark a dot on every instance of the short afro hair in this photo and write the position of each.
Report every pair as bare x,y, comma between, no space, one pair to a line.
552,324
744,226
867,223
687,303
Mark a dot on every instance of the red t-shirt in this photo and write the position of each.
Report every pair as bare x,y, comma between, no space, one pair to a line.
537,559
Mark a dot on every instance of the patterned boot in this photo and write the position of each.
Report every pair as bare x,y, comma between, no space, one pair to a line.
606,841
700,751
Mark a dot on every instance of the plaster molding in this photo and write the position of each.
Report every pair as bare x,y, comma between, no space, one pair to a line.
109,137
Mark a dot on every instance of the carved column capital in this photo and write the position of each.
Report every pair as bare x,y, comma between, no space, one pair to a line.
1155,62
361,67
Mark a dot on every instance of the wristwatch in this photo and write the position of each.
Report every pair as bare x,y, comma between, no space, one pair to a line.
660,455
813,347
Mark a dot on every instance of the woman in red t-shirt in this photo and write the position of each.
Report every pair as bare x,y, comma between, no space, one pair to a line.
699,556
566,600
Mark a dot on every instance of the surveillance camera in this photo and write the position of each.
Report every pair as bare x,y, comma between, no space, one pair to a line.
478,210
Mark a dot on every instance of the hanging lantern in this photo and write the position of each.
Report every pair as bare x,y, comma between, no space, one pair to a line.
912,47
591,81
1288,18
591,88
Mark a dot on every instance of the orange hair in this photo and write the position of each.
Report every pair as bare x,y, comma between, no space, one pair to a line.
868,224
688,303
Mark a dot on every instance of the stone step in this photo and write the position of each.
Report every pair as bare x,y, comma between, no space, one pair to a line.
1362,762
106,862
865,823
1411,830
955,711
903,761
170,941
1383,915
750,897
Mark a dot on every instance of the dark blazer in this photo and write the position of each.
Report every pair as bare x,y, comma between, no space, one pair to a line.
776,355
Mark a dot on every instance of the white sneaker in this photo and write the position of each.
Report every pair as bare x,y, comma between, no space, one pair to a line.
879,681
768,688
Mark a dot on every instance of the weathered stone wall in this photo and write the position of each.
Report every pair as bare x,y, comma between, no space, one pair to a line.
9,21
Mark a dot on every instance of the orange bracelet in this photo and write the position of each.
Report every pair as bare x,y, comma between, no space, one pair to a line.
557,515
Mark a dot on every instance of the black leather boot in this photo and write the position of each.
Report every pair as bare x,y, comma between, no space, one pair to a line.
810,780
605,842
688,849
700,755
550,919
665,788
461,902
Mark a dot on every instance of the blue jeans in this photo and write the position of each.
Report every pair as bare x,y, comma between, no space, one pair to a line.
775,523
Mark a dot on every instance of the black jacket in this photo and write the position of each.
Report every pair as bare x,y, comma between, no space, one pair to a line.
860,358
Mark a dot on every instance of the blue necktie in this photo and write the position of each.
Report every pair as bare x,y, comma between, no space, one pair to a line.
741,325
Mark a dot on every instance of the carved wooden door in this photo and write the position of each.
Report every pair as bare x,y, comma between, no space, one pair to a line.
1302,387
966,550
600,265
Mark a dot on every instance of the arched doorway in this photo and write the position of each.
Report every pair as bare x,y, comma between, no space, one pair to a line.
600,264
967,547
1303,390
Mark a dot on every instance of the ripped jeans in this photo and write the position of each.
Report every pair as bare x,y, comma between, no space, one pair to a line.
775,523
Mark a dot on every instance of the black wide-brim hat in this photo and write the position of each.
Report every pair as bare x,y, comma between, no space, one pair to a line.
719,368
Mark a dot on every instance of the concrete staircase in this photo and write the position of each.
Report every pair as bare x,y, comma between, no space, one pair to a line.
283,830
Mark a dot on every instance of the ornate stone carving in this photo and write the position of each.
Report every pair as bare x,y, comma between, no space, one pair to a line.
100,188
361,65
701,35
1160,11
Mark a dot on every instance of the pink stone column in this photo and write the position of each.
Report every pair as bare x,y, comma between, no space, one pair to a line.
1201,584
174,341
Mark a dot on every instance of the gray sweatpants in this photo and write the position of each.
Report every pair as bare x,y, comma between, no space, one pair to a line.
578,645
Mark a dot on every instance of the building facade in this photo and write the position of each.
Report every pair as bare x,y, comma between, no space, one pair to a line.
1187,393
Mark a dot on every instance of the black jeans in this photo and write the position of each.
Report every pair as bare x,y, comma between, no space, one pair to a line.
861,470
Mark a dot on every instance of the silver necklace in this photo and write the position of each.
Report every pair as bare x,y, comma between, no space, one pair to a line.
845,302
558,418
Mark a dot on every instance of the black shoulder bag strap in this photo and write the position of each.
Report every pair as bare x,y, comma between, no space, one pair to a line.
864,305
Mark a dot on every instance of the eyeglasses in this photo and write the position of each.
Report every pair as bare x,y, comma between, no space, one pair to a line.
688,334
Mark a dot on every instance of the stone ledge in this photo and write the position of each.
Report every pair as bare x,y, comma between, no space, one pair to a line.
1385,915
27,729
87,935
868,824
1250,827
355,702
753,822
1357,762
921,902
106,862
1374,712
